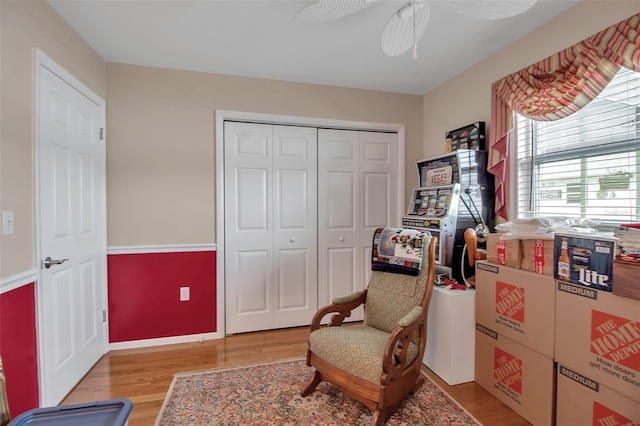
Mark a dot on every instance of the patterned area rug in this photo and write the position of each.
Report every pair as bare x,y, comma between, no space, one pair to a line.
269,394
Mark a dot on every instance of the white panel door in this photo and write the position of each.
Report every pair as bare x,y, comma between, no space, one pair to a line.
270,226
248,226
72,224
357,181
295,228
380,198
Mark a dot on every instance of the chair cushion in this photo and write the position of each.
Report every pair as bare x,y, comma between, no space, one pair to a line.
392,296
358,350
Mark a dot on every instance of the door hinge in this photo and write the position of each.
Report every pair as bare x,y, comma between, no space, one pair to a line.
104,315
101,133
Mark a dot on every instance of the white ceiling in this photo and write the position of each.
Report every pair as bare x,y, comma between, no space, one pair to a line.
260,39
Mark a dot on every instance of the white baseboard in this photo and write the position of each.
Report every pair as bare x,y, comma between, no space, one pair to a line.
169,248
132,344
16,281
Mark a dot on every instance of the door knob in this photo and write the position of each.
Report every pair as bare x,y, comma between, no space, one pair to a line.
341,238
48,262
293,240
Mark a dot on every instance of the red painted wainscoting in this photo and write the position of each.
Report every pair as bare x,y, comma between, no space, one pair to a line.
144,295
18,348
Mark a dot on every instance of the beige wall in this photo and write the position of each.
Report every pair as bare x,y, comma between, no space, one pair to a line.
25,26
160,142
466,98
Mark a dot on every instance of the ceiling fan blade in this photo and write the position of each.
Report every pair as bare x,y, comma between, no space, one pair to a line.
400,34
491,9
327,10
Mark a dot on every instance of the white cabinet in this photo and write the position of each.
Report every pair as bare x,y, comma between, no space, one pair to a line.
450,350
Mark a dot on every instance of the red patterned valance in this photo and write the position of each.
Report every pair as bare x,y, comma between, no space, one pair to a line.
558,86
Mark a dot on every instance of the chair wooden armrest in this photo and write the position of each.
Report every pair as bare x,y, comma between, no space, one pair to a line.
341,310
395,352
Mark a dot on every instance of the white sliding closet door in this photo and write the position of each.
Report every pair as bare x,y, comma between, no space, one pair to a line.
357,189
270,226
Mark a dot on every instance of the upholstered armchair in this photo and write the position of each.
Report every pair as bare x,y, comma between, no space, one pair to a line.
377,362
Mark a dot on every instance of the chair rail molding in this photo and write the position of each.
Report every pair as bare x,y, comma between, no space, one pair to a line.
166,248
16,281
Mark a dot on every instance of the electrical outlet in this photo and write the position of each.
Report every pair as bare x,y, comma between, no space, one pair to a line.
184,294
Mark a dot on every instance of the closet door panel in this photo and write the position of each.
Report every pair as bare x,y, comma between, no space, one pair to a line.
253,287
341,271
376,209
340,210
248,227
379,165
341,204
296,225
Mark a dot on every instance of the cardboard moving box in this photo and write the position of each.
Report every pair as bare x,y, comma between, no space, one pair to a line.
583,401
598,334
518,304
537,256
518,376
585,259
503,252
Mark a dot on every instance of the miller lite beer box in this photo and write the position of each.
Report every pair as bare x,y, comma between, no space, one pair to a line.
583,401
518,304
523,379
598,335
585,259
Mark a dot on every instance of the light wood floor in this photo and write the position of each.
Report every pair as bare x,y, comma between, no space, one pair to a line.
144,375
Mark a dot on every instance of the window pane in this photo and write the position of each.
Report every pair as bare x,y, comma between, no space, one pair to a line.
586,165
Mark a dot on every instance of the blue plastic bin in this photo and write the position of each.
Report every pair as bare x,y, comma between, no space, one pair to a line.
113,412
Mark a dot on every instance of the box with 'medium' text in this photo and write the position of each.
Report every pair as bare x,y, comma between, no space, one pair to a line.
583,401
598,335
518,304
523,379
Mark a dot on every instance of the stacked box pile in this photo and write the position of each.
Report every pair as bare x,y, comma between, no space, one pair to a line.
573,329
514,348
597,335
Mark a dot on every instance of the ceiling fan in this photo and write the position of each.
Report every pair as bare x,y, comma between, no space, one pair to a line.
407,25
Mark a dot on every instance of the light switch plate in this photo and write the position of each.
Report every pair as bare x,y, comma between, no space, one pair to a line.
7,222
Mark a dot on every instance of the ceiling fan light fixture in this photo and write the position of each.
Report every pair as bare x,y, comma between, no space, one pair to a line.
491,9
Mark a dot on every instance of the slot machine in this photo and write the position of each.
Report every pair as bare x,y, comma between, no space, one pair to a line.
455,193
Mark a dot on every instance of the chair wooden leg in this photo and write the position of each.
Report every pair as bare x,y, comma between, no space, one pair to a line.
311,385
417,384
380,415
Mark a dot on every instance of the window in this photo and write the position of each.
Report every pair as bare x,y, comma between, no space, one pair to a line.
585,165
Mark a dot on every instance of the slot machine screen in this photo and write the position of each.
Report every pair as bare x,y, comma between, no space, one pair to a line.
423,199
439,171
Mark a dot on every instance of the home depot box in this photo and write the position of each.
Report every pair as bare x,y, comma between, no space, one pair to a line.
518,376
503,252
537,256
583,401
585,259
598,335
517,304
